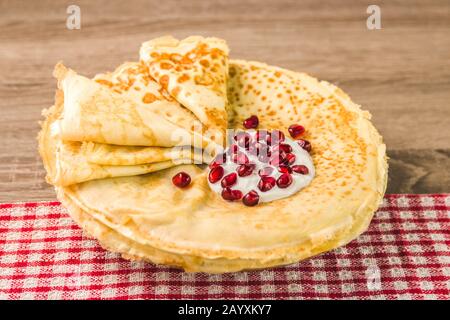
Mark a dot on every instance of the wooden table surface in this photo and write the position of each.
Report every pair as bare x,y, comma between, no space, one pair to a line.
401,73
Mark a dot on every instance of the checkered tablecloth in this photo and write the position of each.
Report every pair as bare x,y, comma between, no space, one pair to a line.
405,254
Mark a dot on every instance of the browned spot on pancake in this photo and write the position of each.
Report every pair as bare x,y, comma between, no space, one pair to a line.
154,55
164,81
175,57
279,95
104,82
185,60
166,66
263,98
277,74
204,63
216,53
176,91
183,78
232,72
149,98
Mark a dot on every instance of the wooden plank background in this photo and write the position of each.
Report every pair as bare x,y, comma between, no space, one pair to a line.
400,73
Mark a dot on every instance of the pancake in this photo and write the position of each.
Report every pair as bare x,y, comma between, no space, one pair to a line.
107,154
194,71
146,218
96,111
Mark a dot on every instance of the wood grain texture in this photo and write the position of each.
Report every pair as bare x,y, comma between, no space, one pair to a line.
401,73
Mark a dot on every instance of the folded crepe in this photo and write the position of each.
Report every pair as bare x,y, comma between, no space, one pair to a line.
74,162
194,71
146,218
99,112
108,154
132,80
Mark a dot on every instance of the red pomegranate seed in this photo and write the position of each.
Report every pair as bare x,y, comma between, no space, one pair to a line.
277,137
181,179
296,130
301,169
305,144
251,123
266,171
229,180
285,147
290,158
245,169
266,183
218,160
284,169
251,198
215,174
231,195
284,180
239,158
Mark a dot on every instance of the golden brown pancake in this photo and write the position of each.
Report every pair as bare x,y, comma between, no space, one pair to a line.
194,71
146,218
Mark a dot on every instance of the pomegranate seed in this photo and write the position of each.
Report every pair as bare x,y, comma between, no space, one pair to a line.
286,147
181,179
284,180
215,174
251,123
251,198
284,169
245,169
218,160
290,158
239,158
277,137
266,171
231,195
266,183
229,180
296,130
305,144
301,169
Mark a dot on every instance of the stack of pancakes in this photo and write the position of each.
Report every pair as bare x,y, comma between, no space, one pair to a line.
112,144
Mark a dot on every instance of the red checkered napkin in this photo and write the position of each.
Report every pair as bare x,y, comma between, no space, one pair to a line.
404,254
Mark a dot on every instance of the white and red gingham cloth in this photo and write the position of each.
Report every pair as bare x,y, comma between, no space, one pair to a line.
405,254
